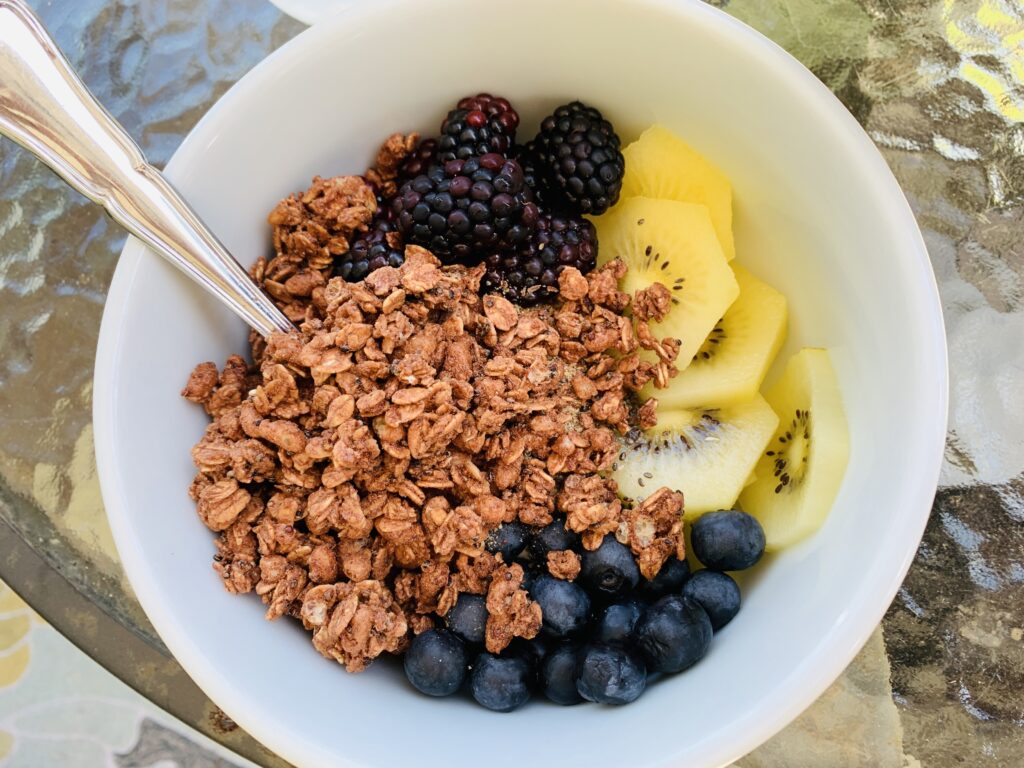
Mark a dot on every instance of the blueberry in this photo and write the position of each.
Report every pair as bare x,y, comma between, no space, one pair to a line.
564,605
727,540
716,593
468,618
673,634
500,683
508,540
609,675
534,650
553,537
435,662
615,623
558,675
609,570
669,580
530,573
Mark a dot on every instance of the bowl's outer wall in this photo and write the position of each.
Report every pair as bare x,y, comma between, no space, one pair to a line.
817,214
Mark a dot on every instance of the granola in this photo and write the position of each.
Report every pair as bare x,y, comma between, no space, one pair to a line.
354,471
564,564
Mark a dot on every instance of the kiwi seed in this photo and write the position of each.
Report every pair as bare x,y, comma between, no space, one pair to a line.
707,350
789,477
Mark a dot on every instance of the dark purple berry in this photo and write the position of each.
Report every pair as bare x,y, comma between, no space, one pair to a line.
465,209
478,125
495,107
380,247
533,174
577,154
419,162
530,275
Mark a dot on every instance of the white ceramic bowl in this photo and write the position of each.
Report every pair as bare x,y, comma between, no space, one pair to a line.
818,214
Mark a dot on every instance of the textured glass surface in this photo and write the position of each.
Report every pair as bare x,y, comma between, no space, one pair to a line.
939,86
157,65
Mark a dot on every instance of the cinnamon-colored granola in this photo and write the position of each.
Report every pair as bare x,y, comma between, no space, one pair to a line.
510,611
354,471
654,530
564,564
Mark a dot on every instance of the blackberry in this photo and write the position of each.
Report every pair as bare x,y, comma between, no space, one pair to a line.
566,242
382,201
477,126
380,247
526,155
578,152
419,162
530,275
494,107
465,208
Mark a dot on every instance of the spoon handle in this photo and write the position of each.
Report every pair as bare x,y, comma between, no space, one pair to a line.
45,107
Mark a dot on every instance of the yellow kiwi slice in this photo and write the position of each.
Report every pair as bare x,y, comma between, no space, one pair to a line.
731,363
801,469
706,454
672,243
660,164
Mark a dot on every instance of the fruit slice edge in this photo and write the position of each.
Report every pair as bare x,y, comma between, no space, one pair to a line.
732,362
802,469
672,243
706,454
660,164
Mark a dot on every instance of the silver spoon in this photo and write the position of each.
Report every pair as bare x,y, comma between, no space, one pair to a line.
45,107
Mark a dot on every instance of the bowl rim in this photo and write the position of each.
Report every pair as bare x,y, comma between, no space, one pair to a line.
835,650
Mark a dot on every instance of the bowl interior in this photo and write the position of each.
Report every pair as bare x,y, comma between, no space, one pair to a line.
817,214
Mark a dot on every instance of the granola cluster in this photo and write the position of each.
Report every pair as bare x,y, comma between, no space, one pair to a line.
354,471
